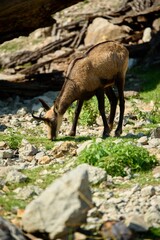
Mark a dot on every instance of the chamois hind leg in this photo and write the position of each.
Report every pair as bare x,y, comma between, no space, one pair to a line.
120,87
76,116
101,107
113,105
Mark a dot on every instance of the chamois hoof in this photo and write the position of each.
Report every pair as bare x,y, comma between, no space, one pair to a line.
72,134
118,133
105,135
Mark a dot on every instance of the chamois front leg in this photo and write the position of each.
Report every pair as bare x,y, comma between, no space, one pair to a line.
101,107
76,116
120,87
113,105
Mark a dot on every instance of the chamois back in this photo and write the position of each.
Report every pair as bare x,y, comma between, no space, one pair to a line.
103,61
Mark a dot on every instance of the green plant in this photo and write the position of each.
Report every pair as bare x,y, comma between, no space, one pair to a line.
89,112
116,158
14,140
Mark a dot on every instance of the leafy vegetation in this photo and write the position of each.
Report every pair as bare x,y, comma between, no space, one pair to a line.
88,114
117,157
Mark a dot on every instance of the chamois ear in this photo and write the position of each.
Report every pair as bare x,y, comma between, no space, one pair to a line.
44,104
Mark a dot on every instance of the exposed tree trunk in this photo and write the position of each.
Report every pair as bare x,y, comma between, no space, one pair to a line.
21,17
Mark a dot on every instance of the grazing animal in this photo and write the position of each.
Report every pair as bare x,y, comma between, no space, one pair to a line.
95,73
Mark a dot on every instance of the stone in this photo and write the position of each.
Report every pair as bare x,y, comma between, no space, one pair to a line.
15,176
7,153
27,192
65,148
84,145
143,140
156,133
63,206
152,218
148,191
96,175
156,24
101,30
147,34
8,231
44,160
3,145
136,223
27,150
154,142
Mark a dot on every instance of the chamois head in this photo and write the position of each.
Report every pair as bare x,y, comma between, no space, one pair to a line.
50,119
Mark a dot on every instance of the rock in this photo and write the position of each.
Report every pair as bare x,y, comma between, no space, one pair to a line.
16,177
84,145
156,24
7,153
62,207
115,230
96,175
26,192
10,232
143,140
147,34
136,223
3,145
154,142
156,133
5,170
156,172
44,160
65,148
27,150
152,218
148,191
101,30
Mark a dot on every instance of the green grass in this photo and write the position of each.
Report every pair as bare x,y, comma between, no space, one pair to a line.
117,157
14,140
151,87
9,201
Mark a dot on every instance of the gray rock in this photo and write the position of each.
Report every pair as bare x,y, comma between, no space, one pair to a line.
7,153
156,133
63,206
16,177
143,140
10,232
26,192
148,191
96,174
152,218
136,223
27,149
154,142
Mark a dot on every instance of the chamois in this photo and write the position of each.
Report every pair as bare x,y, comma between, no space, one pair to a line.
95,73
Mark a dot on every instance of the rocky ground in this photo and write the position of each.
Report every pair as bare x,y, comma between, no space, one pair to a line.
139,204
121,199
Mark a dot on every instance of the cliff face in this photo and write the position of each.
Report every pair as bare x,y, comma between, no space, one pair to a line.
21,17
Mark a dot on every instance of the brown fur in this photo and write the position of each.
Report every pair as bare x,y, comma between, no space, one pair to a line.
101,67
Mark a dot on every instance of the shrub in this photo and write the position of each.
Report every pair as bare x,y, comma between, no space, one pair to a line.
115,158
89,111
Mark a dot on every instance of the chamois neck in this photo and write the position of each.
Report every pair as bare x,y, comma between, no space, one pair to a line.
69,93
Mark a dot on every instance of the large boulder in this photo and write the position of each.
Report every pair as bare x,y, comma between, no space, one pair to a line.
101,30
62,207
